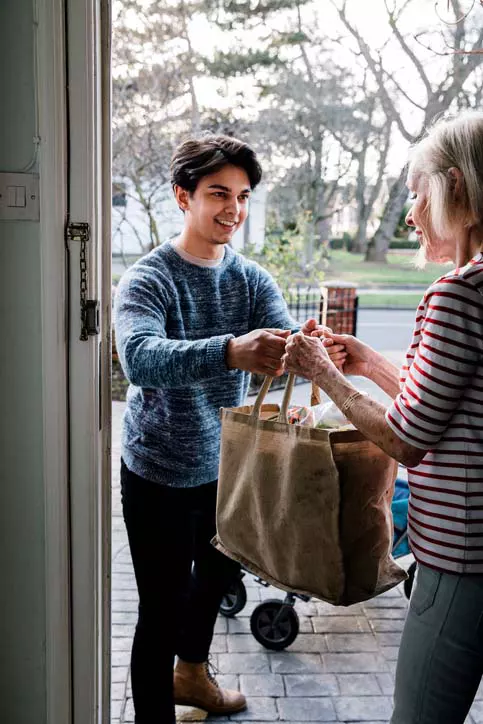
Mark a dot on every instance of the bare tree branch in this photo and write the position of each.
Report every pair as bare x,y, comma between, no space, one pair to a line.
408,51
305,57
460,17
386,100
401,90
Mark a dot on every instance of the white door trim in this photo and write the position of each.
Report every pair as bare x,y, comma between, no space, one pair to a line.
88,415
75,177
50,63
105,381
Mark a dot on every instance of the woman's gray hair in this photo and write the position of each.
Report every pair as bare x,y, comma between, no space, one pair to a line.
452,143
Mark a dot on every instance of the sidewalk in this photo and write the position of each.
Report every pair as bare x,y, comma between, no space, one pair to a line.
339,669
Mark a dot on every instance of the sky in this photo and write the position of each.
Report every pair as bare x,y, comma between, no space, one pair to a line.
371,19
369,16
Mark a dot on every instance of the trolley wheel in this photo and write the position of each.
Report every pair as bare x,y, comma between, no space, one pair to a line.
234,599
409,582
274,624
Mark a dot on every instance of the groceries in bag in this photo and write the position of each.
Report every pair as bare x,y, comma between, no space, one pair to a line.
307,509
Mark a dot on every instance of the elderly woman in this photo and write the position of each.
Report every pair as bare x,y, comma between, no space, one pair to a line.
434,426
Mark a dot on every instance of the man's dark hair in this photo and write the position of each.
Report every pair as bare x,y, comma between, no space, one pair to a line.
199,157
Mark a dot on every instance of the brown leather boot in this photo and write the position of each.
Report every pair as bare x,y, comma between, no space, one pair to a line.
195,685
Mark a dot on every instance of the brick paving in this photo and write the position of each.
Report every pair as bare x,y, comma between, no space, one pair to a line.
340,668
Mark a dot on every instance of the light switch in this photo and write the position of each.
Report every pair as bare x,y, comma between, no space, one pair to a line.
11,196
19,196
16,197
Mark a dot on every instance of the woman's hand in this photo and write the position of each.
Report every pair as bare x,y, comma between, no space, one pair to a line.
306,356
335,351
359,357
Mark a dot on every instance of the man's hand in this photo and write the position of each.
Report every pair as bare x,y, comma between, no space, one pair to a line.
311,325
259,351
335,351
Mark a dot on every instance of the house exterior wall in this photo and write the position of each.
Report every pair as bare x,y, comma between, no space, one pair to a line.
22,514
130,222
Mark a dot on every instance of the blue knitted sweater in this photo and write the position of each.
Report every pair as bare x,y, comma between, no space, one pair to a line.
173,321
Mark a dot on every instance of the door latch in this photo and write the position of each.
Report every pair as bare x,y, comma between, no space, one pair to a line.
91,318
89,308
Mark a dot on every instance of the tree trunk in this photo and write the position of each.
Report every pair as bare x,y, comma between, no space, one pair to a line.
322,233
379,244
195,110
359,245
309,244
190,72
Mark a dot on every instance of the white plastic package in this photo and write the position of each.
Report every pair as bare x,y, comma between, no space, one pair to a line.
326,415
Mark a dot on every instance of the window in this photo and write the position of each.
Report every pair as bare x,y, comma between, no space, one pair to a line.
118,194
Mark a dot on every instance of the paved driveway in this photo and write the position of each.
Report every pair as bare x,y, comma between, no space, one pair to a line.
339,669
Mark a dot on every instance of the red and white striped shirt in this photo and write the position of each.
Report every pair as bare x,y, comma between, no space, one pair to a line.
439,409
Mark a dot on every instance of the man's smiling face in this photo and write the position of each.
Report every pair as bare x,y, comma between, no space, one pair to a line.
218,206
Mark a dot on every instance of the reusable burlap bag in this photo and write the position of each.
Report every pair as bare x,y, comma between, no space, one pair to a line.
307,509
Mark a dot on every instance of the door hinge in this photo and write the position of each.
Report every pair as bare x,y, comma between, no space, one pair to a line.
89,308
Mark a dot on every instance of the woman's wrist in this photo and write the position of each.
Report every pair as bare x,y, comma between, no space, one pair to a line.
372,363
329,378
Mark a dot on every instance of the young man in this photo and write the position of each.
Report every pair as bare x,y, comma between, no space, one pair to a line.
193,319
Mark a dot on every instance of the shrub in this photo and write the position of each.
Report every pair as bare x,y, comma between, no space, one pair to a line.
337,243
288,255
402,229
403,244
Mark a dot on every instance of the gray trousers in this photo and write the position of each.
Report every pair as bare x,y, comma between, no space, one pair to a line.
440,661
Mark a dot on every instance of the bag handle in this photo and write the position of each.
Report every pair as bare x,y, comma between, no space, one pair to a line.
315,398
261,396
287,395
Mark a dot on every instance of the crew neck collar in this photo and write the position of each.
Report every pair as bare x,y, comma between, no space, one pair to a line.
196,260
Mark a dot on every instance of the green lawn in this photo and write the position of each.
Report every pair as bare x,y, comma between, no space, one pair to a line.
398,271
390,301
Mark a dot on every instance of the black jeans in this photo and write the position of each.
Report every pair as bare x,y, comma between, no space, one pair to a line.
181,579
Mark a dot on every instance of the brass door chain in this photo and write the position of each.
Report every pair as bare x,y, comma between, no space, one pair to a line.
83,287
89,308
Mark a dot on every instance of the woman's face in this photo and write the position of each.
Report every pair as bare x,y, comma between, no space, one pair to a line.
435,247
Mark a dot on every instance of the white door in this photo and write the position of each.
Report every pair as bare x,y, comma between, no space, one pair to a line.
88,35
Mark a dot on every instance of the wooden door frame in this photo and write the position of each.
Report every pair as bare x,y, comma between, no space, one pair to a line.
51,82
73,89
